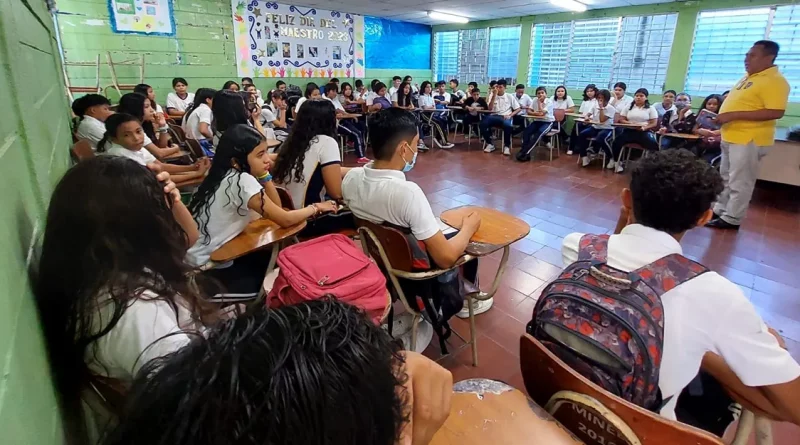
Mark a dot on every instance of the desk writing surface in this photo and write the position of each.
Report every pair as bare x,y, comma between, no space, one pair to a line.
681,136
497,228
258,235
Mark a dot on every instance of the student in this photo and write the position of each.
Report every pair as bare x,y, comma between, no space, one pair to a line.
111,286
620,101
274,115
504,107
641,113
410,81
396,81
249,81
231,86
587,105
492,91
667,103
378,100
562,101
709,146
471,86
318,372
155,126
254,97
458,95
347,127
542,110
403,98
360,91
198,119
178,101
237,183
682,120
474,103
147,91
438,123
311,92
280,85
601,120
229,109
441,96
350,99
379,192
93,110
125,137
708,319
523,99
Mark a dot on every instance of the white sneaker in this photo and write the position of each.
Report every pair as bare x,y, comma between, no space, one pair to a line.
611,164
478,307
549,145
401,328
620,168
569,152
506,151
420,144
585,161
448,145
489,148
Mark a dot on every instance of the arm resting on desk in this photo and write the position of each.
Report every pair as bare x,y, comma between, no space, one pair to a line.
262,204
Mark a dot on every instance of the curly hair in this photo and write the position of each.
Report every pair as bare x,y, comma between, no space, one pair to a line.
317,372
317,119
672,189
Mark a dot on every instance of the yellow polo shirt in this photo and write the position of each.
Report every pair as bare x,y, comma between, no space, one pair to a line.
765,90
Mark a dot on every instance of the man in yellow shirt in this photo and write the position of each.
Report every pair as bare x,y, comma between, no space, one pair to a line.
748,118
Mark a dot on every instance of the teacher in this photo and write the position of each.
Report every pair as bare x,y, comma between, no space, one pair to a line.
748,118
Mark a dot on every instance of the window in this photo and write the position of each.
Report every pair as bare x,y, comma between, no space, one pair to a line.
445,54
591,52
474,43
503,53
643,49
722,38
550,44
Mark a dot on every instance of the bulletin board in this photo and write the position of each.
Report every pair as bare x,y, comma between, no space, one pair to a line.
149,17
277,40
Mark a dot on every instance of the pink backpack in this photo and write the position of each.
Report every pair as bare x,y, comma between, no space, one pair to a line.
331,264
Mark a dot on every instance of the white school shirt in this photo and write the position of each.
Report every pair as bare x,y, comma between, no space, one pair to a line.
141,156
425,101
269,114
386,196
548,108
662,111
705,314
299,102
563,104
322,151
191,125
505,104
392,91
639,115
228,215
609,111
620,104
525,101
336,104
92,130
445,95
587,106
460,94
173,101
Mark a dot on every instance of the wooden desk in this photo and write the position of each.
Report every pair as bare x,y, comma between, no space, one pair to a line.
258,235
629,125
498,229
348,116
692,137
486,412
578,115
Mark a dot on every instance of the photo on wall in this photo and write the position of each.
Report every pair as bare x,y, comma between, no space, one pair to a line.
272,48
287,49
337,53
312,52
300,52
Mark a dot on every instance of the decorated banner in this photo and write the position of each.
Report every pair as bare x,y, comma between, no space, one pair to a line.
276,40
151,17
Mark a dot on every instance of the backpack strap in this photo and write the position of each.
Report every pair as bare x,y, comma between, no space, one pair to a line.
667,273
593,247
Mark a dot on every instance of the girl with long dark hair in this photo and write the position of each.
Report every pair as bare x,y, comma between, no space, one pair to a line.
198,119
147,91
587,105
639,112
311,92
155,126
229,109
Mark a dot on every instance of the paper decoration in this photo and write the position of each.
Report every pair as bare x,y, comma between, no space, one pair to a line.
150,17
277,40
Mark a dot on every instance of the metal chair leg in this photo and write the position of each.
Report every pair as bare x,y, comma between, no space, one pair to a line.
473,332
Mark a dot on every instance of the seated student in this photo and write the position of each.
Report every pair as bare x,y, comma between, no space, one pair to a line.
429,100
318,372
707,319
504,107
231,86
349,99
93,110
638,112
587,105
249,81
396,81
471,105
709,146
350,128
562,101
229,109
237,183
178,101
378,100
198,119
681,120
471,86
620,101
279,86
125,137
147,91
311,92
404,97
254,97
601,119
410,81
360,91
542,109
274,116
112,289
457,95
667,103
157,140
379,192
492,91
525,102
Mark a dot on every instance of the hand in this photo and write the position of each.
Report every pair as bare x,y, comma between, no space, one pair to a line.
723,118
282,106
429,391
202,165
160,120
170,189
471,222
327,206
255,113
781,341
662,130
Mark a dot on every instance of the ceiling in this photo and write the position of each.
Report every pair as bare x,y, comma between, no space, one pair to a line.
416,10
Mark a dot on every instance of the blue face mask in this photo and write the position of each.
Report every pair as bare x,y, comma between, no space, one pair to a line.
410,165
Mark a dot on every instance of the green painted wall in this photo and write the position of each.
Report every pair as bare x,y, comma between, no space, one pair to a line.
681,46
202,50
34,137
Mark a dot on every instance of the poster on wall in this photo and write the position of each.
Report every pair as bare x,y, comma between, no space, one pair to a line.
150,17
277,40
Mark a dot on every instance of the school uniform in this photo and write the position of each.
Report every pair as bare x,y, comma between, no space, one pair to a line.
173,101
525,102
503,106
708,313
587,106
662,111
647,139
600,131
437,123
141,156
350,129
298,104
92,130
269,114
744,143
393,91
536,128
458,95
473,117
563,104
674,124
442,118
191,124
620,104
585,109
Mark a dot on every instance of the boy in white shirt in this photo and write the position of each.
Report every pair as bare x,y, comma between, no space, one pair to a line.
709,323
542,111
459,95
525,102
667,103
505,107
601,118
179,101
396,82
93,110
620,101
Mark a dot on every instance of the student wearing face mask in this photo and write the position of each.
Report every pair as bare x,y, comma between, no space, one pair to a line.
679,120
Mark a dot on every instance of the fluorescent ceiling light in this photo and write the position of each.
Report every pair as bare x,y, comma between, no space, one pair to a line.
572,5
448,17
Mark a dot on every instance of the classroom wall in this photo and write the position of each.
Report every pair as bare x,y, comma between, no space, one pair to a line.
34,138
202,50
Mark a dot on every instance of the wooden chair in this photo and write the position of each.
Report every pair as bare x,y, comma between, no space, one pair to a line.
595,415
82,151
286,198
137,62
390,250
82,89
177,133
194,147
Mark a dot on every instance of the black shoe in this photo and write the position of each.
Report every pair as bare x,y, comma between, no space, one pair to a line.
716,216
720,223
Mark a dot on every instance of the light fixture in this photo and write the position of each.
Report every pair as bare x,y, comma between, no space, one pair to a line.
447,17
572,5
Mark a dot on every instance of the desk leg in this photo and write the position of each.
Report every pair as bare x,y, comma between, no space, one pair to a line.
273,258
485,296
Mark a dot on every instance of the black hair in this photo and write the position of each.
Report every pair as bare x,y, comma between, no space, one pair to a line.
674,93
278,94
454,81
606,95
229,83
474,84
396,78
133,104
407,78
726,92
359,83
345,86
279,83
492,83
590,86
247,79
104,250
672,189
540,88
311,373
440,83
502,82
373,83
248,85
621,85
200,97
404,99
519,85
718,97
331,87
388,128
317,119
334,80
234,145
142,88
310,87
177,80
81,104
378,86
555,92
770,47
112,124
424,85
683,93
646,95
476,90
229,109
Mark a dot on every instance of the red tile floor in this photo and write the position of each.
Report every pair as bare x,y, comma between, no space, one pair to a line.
559,198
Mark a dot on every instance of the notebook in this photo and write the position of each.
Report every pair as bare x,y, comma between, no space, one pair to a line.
706,120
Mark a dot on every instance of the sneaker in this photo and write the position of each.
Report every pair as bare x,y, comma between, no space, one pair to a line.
448,145
569,152
506,151
585,161
422,147
478,307
364,160
620,168
549,145
489,148
611,164
401,329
